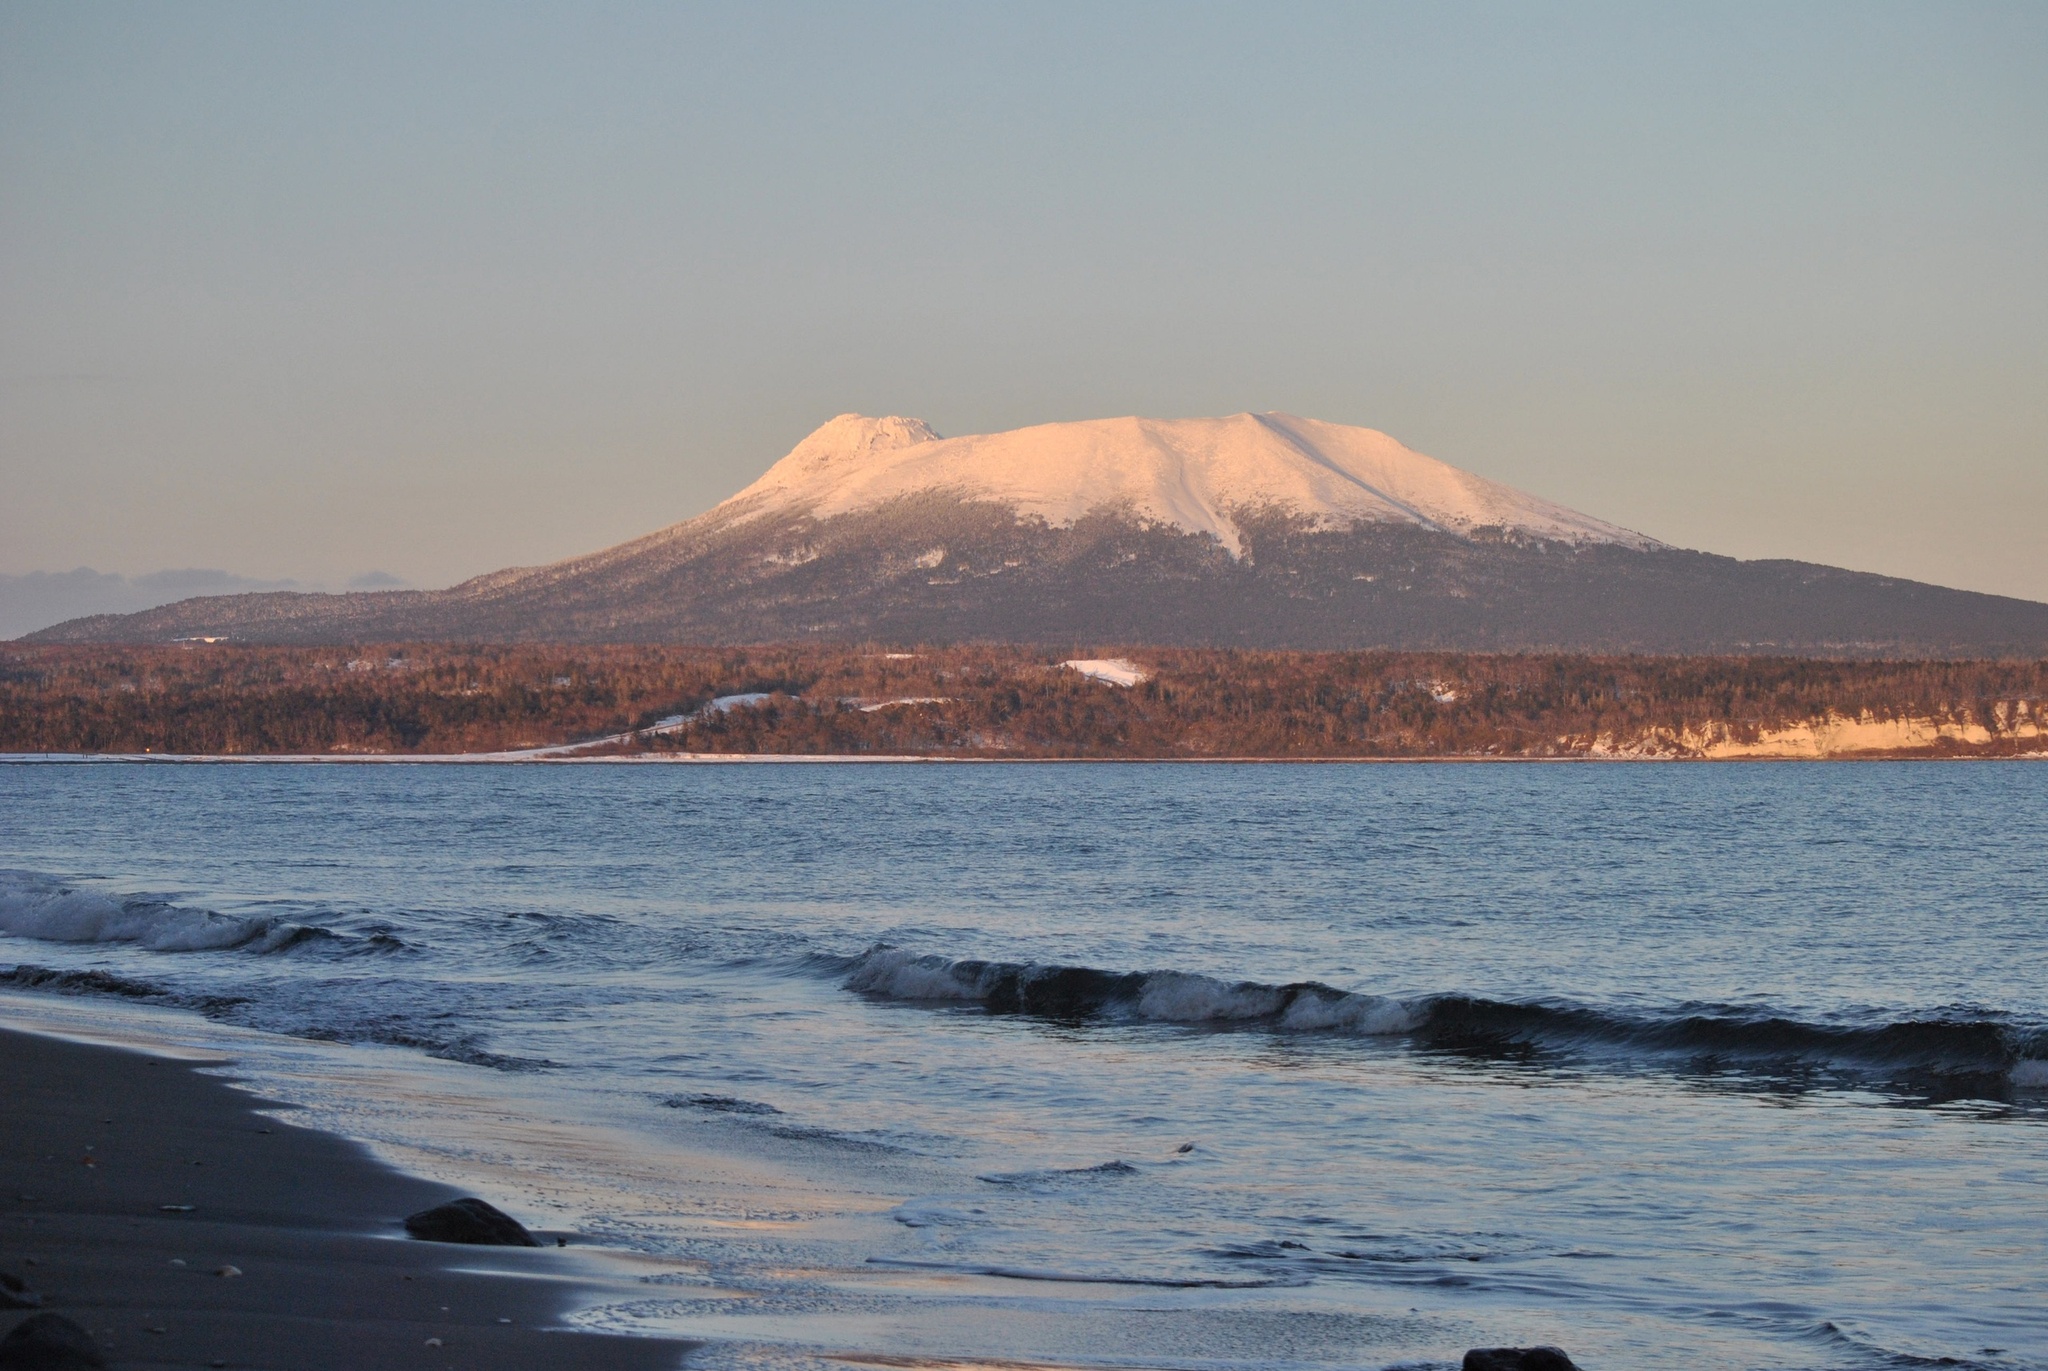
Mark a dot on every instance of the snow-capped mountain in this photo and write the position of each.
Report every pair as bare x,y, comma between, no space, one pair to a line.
1255,530
1196,475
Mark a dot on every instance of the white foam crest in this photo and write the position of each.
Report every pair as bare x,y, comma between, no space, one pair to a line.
2030,1073
1177,997
1368,1015
34,906
903,975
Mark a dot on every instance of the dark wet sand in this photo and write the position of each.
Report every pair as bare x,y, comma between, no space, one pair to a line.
94,1141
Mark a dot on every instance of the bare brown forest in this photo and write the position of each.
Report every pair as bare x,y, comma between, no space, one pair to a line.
970,701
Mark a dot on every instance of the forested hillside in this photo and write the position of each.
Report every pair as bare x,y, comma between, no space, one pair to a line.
1002,702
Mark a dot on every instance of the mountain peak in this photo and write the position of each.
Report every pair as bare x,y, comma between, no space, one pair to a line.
842,445
847,437
1192,474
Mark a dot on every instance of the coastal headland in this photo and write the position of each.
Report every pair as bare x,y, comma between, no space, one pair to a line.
180,1223
991,703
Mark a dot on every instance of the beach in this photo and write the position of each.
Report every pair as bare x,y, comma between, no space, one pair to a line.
133,1182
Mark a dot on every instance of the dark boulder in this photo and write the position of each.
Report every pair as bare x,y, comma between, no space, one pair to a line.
471,1221
1518,1359
49,1342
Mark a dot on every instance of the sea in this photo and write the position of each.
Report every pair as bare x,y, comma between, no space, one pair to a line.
1121,1065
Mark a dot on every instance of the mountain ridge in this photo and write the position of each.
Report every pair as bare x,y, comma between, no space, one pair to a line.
1267,531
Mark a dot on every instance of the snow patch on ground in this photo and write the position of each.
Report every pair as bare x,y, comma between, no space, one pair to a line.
674,723
870,706
1114,671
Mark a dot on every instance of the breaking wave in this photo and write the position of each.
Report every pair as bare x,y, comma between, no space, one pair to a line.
1963,1050
28,976
458,1047
1081,992
37,906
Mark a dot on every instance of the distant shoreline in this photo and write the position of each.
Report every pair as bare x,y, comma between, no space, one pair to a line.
428,703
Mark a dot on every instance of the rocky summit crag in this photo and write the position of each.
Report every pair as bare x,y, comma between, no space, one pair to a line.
1255,530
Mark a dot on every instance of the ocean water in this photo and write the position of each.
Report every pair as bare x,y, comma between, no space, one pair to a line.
1180,1066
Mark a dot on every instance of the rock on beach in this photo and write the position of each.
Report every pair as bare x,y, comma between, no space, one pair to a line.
1518,1359
49,1342
469,1220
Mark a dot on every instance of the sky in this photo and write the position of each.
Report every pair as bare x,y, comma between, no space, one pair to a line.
312,291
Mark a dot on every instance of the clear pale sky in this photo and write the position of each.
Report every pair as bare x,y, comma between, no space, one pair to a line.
306,290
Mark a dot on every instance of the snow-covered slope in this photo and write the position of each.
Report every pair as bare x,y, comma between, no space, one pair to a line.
1190,473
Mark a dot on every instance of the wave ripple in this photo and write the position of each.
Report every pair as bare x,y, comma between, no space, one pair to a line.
1966,1051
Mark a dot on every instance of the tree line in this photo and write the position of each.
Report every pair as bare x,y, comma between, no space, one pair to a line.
960,701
